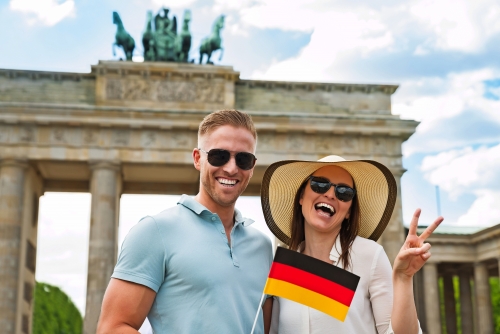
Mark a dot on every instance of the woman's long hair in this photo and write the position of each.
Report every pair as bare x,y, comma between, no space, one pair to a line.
348,231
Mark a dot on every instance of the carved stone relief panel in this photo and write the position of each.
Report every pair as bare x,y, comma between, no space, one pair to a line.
27,134
203,91
182,140
149,138
379,145
4,133
350,145
58,136
323,144
265,142
120,137
90,137
176,91
296,142
114,89
137,90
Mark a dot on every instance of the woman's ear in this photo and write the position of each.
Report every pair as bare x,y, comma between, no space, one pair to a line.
301,200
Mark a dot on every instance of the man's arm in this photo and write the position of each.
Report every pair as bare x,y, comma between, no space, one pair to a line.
267,310
124,308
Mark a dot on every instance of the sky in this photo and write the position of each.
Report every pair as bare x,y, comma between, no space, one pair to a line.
443,54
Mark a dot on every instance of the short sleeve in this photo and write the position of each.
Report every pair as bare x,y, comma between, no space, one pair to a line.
142,256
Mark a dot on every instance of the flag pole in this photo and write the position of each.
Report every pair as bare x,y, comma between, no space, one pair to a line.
257,315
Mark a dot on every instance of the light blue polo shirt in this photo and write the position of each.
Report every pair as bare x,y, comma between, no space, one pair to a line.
203,285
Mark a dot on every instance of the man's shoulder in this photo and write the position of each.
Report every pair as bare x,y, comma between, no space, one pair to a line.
171,215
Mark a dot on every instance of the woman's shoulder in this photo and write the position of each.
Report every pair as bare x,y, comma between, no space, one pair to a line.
364,245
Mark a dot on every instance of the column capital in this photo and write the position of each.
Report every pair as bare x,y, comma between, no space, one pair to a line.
12,162
397,171
105,164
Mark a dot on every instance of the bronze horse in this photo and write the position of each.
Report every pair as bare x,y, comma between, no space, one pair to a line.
122,38
212,42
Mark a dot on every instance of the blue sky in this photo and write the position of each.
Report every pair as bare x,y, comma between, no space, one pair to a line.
444,55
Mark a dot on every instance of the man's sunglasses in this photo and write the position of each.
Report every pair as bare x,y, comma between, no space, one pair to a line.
218,157
321,185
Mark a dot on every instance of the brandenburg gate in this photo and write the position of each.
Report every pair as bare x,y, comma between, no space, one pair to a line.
129,128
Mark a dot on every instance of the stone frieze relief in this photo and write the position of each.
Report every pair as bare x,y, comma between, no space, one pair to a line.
164,91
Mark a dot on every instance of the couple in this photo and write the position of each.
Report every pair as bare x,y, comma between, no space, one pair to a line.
199,268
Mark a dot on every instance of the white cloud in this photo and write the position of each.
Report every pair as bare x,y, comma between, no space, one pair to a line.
431,100
485,210
461,25
473,172
47,12
465,171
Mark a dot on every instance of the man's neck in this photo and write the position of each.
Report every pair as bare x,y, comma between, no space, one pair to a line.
225,213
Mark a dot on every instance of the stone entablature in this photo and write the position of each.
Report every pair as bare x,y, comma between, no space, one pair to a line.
313,97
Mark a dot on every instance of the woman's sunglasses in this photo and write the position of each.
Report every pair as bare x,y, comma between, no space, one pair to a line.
218,157
321,185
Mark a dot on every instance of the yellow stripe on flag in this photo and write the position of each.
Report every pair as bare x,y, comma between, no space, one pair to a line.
307,297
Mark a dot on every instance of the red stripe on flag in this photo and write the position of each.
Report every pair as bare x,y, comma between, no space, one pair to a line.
311,282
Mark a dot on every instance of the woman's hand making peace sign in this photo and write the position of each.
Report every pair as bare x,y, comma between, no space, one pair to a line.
415,251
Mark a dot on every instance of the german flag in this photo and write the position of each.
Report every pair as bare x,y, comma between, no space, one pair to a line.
311,282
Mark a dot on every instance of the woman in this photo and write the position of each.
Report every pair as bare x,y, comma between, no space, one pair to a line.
335,210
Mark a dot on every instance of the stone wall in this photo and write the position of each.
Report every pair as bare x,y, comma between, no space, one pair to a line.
46,87
313,97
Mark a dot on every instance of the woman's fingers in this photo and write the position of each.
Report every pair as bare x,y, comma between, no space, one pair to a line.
428,231
414,223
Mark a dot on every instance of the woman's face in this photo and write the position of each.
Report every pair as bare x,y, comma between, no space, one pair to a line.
324,213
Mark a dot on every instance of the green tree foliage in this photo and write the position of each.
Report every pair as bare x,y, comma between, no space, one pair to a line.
495,301
54,312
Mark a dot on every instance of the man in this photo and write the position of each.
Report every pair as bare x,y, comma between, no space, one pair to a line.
198,267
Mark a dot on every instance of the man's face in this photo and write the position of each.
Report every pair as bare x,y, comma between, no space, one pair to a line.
224,184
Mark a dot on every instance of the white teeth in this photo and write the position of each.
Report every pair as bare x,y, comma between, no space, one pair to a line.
226,181
328,206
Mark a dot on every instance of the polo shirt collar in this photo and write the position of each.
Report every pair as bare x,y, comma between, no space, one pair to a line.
192,204
197,208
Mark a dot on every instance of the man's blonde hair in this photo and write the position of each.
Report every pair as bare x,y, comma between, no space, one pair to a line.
231,117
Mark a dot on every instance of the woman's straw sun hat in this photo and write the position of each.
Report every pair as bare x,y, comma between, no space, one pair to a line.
376,191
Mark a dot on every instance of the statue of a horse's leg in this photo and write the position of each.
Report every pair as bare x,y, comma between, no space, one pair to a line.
113,47
221,53
201,57
209,54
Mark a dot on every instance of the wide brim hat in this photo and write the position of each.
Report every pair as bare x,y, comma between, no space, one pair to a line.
376,191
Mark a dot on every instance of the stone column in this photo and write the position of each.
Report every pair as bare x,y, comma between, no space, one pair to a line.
466,303
449,304
105,187
483,299
12,179
393,237
432,309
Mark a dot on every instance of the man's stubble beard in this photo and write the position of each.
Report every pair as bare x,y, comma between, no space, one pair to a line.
213,194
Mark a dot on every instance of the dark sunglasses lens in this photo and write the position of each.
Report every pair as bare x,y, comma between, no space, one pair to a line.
245,160
344,193
218,158
319,186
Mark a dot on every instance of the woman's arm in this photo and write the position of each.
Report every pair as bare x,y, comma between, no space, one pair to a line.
409,260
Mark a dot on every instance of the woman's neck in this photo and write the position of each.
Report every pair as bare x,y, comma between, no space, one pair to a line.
319,245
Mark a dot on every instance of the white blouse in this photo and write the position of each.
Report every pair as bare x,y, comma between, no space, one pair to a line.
370,310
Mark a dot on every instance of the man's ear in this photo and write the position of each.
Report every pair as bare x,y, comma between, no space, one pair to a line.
196,158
